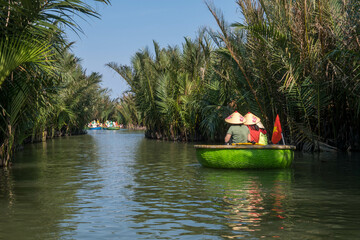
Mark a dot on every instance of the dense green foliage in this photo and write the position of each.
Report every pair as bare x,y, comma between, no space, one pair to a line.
298,59
43,89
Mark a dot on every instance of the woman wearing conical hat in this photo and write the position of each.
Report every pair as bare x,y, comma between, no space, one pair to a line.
238,132
256,129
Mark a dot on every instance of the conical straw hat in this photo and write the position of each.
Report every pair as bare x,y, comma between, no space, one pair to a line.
251,119
260,125
235,118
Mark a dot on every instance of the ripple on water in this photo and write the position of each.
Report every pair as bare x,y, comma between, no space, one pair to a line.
118,185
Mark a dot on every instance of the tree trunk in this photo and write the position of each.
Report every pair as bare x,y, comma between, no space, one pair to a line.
6,149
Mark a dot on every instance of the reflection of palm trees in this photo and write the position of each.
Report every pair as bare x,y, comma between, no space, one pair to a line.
7,186
39,195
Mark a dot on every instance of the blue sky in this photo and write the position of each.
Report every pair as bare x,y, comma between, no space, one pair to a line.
127,26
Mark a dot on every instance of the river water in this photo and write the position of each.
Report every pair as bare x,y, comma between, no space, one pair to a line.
119,185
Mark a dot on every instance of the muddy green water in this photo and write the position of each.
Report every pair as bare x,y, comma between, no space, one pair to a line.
119,185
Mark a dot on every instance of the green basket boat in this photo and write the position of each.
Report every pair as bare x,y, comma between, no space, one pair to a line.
111,128
245,156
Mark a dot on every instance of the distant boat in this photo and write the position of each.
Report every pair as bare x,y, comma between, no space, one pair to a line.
244,156
111,128
94,128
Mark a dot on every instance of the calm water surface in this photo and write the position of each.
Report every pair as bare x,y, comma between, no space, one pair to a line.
119,185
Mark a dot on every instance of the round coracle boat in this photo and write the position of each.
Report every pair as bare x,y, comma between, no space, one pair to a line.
111,128
245,156
94,128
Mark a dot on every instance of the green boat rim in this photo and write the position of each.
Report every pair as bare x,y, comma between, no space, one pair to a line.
247,146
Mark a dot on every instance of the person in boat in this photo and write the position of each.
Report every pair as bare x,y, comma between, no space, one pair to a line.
238,132
256,128
263,139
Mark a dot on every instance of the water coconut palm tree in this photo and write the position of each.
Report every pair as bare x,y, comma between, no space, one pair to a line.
31,36
290,58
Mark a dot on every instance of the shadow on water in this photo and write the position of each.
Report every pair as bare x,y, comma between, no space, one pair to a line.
336,168
40,190
325,196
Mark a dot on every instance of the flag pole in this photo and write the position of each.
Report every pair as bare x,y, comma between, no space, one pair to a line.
282,137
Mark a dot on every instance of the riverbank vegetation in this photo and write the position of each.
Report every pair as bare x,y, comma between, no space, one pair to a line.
299,59
44,92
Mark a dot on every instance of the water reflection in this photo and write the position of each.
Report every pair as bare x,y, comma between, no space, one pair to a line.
174,192
171,201
118,185
251,199
40,190
7,188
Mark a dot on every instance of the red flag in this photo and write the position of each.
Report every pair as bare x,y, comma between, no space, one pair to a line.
276,136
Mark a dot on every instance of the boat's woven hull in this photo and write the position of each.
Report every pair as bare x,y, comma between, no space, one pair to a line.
111,128
246,157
